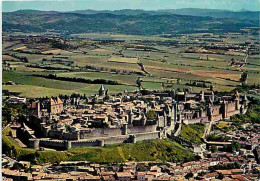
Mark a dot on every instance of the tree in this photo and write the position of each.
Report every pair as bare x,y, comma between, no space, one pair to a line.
178,81
25,59
243,77
138,82
220,176
236,146
17,166
232,61
150,115
189,175
214,148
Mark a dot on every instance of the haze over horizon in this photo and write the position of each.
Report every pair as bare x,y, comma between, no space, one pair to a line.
234,5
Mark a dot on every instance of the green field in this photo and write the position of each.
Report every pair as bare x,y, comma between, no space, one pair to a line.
118,62
30,86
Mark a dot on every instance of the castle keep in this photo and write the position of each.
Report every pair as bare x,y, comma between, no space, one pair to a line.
125,117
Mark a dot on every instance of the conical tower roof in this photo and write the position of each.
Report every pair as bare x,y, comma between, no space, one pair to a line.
59,101
102,88
52,102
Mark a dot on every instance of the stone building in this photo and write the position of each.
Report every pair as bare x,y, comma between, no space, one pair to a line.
55,105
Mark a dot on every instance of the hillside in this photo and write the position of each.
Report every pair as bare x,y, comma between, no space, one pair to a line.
139,24
215,13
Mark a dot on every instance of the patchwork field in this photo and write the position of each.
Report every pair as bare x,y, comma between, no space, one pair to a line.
157,61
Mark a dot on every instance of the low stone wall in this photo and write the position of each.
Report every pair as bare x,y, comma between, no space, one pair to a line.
217,117
141,129
85,143
216,110
53,143
147,136
70,136
195,121
181,140
231,107
232,113
64,144
55,134
59,144
101,132
116,140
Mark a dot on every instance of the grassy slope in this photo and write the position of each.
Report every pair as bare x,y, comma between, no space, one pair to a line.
193,132
162,150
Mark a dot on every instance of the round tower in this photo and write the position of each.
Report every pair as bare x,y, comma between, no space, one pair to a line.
102,90
236,99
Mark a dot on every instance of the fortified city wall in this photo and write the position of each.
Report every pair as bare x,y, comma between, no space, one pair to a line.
129,133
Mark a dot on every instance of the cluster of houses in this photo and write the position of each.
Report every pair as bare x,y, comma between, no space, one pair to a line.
212,167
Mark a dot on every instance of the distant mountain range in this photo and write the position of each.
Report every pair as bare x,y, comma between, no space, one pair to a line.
215,13
129,21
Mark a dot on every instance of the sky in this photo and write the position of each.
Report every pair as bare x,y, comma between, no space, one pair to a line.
71,5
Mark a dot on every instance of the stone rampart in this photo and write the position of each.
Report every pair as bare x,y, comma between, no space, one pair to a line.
85,143
232,113
52,143
216,110
141,129
181,140
147,136
55,134
231,106
116,140
101,132
196,121
70,136
217,117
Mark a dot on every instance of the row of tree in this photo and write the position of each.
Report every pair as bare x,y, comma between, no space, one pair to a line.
76,79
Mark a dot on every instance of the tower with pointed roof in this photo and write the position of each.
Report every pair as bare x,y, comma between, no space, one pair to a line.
102,90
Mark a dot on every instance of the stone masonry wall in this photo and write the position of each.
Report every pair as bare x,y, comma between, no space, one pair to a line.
84,143
106,132
141,129
147,136
116,140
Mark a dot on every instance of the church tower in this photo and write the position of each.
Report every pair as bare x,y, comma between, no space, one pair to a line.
102,90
